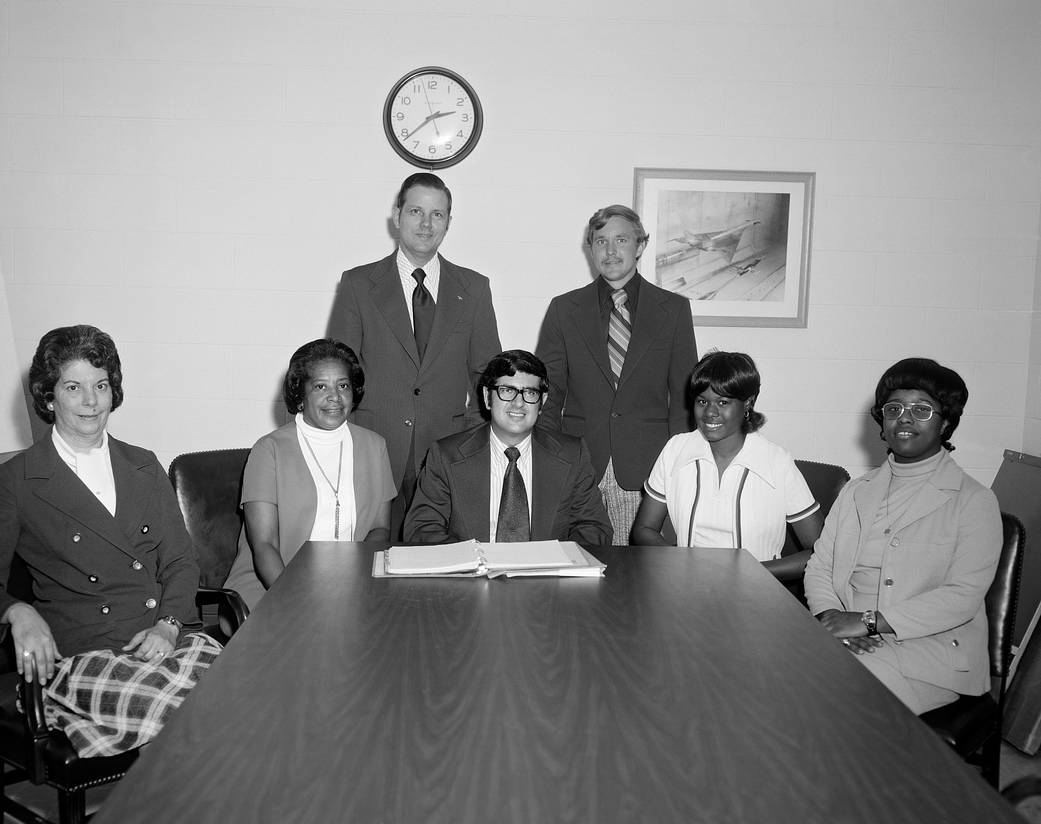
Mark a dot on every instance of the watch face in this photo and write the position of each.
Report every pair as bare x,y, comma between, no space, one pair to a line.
433,118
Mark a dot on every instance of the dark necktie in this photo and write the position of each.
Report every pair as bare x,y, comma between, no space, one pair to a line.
513,524
619,330
422,312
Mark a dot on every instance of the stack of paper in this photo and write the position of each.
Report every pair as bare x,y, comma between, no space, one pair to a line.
472,559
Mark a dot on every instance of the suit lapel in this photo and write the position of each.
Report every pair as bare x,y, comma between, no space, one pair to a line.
548,474
473,468
389,300
587,321
452,299
650,317
61,489
133,489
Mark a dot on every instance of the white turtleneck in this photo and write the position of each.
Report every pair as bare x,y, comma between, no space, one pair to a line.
322,451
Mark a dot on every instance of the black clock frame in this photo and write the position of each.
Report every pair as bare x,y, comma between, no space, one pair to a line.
475,135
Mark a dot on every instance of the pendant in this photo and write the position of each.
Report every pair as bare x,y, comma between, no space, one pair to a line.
336,525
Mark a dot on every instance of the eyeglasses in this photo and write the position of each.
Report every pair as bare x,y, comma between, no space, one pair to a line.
919,411
508,393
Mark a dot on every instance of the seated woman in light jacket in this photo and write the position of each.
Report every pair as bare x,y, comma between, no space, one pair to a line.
725,485
318,478
909,550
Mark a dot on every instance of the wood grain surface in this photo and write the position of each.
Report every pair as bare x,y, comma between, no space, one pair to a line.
686,685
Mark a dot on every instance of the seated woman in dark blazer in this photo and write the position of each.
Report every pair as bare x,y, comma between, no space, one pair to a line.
94,519
318,478
96,523
909,550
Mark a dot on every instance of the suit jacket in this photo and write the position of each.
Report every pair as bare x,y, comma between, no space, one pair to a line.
405,397
452,496
631,423
936,571
97,579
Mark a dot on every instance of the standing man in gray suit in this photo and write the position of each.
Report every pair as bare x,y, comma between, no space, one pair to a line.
619,352
423,329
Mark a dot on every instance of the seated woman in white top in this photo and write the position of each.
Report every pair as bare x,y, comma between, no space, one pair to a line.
725,485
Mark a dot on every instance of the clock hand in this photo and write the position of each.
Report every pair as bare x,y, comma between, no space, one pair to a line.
432,113
429,118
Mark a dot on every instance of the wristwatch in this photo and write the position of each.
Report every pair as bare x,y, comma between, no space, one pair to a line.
178,625
870,621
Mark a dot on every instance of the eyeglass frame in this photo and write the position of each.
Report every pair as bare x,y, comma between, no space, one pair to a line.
907,407
516,390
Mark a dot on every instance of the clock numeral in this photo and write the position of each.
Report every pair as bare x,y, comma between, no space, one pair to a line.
399,116
415,144
431,84
406,100
448,147
432,149
460,101
417,87
460,133
404,133
465,117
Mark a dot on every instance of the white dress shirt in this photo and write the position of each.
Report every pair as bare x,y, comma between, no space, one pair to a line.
93,467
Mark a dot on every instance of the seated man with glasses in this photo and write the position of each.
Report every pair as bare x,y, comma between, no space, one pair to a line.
507,480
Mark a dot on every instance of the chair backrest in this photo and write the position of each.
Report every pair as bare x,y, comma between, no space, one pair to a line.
208,487
1002,599
825,482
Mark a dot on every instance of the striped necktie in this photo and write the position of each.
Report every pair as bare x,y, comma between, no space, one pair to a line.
619,330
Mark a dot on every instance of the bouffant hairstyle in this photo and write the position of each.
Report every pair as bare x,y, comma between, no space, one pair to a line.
601,216
431,181
925,375
732,375
510,363
62,346
293,389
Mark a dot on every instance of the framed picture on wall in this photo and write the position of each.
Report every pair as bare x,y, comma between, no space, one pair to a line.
735,243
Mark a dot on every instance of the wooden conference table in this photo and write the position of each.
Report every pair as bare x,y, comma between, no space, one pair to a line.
686,686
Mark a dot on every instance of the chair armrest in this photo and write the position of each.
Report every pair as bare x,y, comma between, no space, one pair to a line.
231,609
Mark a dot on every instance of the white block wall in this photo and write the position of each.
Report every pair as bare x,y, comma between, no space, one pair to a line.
193,177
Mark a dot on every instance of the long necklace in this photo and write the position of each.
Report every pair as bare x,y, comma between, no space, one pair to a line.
335,489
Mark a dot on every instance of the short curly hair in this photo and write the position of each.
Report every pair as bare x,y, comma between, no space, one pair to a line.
731,375
62,346
307,356
925,375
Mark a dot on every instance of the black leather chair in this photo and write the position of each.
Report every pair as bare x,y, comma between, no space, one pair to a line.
972,724
825,482
207,486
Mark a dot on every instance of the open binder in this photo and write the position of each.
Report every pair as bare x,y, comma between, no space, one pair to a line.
473,559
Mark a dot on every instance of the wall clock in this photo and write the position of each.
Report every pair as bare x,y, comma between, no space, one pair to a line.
432,117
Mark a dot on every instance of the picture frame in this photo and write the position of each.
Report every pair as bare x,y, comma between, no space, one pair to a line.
735,243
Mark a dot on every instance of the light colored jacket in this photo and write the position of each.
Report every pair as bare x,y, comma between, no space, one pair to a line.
936,570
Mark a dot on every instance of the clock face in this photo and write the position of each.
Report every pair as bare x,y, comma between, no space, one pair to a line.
433,118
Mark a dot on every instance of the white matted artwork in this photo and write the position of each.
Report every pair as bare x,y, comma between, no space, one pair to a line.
735,243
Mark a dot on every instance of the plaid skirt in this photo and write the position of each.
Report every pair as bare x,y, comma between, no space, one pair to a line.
108,702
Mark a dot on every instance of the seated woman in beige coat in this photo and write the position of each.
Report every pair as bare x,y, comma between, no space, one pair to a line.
909,550
318,478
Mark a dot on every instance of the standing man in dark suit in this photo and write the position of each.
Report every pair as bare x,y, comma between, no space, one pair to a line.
619,352
508,480
423,329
